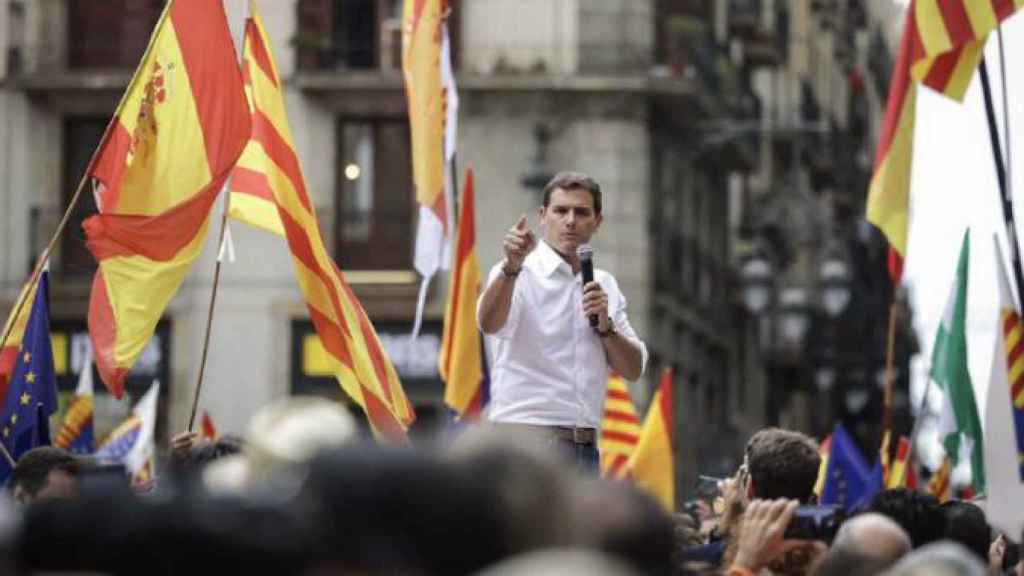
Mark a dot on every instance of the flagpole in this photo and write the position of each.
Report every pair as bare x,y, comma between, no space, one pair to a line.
1004,192
890,349
7,455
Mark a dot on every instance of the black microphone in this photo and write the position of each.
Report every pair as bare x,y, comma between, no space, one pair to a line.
586,256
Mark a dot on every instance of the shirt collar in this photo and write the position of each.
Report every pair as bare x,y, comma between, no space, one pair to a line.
548,260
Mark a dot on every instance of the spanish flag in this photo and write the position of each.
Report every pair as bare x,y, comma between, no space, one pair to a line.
208,431
825,452
15,330
461,361
353,349
900,475
620,429
652,465
431,99
941,47
173,140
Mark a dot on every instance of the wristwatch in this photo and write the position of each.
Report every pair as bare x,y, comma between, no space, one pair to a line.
611,330
510,273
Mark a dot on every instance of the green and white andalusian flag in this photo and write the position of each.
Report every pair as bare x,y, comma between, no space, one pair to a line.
959,425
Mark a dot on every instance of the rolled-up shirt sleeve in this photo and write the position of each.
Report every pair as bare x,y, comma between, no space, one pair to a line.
509,329
617,313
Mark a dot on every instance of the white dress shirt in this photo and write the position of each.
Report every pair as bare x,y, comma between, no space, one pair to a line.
548,365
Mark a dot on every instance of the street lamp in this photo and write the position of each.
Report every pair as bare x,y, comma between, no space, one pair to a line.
835,285
758,284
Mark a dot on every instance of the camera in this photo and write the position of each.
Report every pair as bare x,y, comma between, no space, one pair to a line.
815,523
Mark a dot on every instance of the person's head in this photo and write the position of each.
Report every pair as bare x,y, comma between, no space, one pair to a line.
782,464
529,485
873,536
846,562
44,473
966,525
939,559
571,211
918,514
619,520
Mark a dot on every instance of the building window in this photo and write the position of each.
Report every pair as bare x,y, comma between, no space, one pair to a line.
375,225
82,136
355,34
111,33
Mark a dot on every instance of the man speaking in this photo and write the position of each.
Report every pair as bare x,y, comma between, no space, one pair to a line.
553,335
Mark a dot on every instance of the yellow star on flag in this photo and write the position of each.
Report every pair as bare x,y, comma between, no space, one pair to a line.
14,418
30,377
25,398
7,432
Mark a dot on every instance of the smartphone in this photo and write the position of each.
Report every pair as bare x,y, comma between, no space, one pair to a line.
815,523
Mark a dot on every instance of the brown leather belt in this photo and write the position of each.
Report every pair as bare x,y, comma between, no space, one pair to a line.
582,436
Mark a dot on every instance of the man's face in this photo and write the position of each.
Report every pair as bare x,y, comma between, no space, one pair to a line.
59,485
569,219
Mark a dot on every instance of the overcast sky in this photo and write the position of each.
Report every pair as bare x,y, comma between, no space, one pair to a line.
954,187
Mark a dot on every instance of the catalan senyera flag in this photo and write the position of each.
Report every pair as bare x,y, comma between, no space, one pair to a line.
1004,414
178,131
652,466
15,326
427,91
461,363
76,433
353,348
132,442
620,429
941,47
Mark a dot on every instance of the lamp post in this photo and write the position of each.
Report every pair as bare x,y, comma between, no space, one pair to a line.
786,315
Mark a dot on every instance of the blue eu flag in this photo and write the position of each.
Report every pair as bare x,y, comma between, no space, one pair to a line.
849,482
32,393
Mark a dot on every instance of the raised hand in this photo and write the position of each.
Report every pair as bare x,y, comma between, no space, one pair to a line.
519,242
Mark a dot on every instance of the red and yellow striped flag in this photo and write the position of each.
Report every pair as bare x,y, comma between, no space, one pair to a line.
207,431
461,361
423,33
172,142
15,329
939,485
899,473
652,466
941,47
353,348
620,429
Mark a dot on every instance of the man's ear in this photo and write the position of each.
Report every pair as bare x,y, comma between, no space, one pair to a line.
21,495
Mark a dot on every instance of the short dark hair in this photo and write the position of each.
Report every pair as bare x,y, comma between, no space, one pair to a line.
34,466
207,452
574,181
917,513
966,524
783,464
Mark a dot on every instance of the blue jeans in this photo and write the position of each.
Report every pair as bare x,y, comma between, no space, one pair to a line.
584,456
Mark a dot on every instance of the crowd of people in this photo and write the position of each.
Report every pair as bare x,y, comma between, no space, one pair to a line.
304,493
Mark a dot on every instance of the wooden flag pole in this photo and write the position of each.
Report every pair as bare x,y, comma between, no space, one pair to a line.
890,350
1004,188
213,302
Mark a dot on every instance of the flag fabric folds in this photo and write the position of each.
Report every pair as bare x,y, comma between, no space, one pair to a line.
76,434
1004,415
178,131
959,425
31,395
941,47
354,350
620,429
461,362
423,36
939,484
849,482
131,443
652,466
